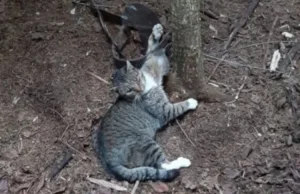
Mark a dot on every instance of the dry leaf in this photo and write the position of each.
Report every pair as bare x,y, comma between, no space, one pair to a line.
106,184
159,187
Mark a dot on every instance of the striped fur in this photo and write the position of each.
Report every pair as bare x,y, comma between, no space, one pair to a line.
125,141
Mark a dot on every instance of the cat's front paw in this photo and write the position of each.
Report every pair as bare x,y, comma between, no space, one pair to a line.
157,31
192,103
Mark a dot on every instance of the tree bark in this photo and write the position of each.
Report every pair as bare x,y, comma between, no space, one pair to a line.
186,49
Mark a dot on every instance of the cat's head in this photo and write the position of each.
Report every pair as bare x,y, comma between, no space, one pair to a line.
128,81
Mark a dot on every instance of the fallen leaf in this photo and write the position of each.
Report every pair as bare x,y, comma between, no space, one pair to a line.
60,190
159,187
232,173
106,184
275,60
11,153
40,185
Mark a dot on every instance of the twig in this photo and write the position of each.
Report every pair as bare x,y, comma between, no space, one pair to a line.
135,187
257,44
88,5
56,169
234,64
218,64
103,25
63,134
268,45
99,78
183,131
219,189
239,90
75,150
55,111
241,23
106,184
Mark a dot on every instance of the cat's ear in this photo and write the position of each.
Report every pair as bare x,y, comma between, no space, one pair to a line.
129,67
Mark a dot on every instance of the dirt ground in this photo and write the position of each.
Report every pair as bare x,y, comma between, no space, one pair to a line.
48,101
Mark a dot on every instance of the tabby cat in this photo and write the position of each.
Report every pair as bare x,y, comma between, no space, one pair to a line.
125,141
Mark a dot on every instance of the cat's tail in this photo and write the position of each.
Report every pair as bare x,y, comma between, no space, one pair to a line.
143,174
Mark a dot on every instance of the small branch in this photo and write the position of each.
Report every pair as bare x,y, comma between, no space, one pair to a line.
242,22
218,64
183,131
56,169
98,77
239,90
88,5
83,156
106,184
135,187
268,45
103,25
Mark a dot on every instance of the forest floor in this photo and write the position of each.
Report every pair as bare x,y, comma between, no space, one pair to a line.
48,101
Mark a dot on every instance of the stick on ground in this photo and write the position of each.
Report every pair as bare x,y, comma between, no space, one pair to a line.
57,168
183,131
242,22
135,187
218,64
98,77
268,45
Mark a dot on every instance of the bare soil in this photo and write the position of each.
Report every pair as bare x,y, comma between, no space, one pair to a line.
48,102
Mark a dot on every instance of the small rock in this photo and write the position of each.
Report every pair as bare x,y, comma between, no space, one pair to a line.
37,36
232,173
289,141
280,102
58,23
81,133
255,98
26,134
97,27
188,183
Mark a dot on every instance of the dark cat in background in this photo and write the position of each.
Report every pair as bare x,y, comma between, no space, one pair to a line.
125,141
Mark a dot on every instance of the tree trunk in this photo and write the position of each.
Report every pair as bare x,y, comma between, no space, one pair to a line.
186,49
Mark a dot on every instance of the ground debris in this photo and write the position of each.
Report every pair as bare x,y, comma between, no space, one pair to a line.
159,187
189,183
37,36
106,184
232,173
57,168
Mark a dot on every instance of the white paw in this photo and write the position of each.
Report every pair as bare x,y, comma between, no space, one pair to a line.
157,31
192,103
183,162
